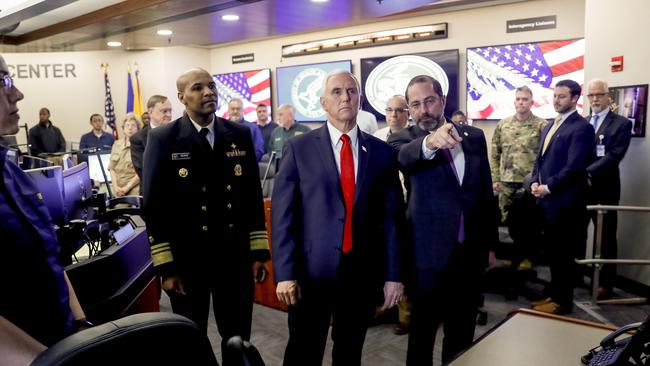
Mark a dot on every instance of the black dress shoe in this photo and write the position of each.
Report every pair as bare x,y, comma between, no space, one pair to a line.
401,328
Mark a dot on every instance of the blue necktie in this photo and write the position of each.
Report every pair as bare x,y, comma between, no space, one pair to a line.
594,122
461,223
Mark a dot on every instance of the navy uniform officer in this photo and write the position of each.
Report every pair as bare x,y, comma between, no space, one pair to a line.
37,296
204,211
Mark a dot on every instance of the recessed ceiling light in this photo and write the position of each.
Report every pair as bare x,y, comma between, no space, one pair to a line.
113,44
230,17
319,1
164,32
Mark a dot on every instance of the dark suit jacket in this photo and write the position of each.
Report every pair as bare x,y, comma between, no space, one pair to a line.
203,206
436,200
563,166
138,144
308,211
616,133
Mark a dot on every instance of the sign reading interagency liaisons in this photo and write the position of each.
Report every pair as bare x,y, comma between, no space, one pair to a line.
531,24
42,71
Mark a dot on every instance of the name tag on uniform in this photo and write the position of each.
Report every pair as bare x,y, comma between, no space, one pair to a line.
600,151
181,156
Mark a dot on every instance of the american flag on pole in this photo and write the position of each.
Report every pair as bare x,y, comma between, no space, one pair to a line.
252,87
109,108
493,73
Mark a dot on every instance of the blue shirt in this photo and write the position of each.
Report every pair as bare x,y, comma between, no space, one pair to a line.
89,140
258,141
35,293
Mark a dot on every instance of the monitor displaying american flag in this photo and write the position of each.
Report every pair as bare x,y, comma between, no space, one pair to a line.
494,72
252,87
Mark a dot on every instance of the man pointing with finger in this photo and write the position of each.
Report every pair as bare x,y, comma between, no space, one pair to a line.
337,208
451,218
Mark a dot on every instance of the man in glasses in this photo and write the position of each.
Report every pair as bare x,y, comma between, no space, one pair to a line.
449,212
613,133
397,116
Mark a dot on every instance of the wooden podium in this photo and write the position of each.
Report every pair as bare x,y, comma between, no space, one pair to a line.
265,291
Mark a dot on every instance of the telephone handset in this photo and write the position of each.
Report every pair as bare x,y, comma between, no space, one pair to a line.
627,351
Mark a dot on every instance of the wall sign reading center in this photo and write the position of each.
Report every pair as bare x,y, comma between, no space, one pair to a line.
42,71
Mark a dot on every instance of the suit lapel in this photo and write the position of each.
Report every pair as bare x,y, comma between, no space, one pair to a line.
324,146
565,124
362,165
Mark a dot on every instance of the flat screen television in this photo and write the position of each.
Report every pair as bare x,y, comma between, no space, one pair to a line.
49,181
301,86
95,169
252,87
383,77
631,102
494,72
77,189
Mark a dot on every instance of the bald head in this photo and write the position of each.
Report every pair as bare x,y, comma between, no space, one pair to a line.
189,75
197,91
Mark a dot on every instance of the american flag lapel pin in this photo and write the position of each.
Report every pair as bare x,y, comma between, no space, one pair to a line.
363,148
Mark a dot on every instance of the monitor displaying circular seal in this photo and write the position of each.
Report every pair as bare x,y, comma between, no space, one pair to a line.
393,75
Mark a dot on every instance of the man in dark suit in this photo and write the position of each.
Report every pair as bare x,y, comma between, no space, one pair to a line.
159,109
451,217
613,134
559,182
335,218
205,215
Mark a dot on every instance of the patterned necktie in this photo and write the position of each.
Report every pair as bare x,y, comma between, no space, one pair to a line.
550,133
347,185
594,122
204,137
461,224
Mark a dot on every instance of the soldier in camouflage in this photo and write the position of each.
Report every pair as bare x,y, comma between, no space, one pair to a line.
514,149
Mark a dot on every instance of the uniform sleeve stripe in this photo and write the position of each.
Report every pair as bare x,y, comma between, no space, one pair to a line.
258,244
160,250
258,234
159,246
162,258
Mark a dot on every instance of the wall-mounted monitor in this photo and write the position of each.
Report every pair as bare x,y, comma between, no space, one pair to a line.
383,77
494,72
631,102
252,87
301,87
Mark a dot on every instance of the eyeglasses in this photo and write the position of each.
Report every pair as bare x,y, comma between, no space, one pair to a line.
596,95
6,81
397,110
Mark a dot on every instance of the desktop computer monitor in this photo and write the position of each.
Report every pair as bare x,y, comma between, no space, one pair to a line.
49,181
77,189
96,170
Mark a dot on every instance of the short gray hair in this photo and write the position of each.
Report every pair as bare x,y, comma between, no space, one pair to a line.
598,81
287,106
238,100
339,72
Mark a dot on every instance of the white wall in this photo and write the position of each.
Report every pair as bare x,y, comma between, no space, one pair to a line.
467,28
72,100
614,29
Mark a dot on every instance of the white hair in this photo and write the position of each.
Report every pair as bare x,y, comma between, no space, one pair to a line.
339,72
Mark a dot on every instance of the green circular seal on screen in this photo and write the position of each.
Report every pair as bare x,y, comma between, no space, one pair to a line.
393,75
305,92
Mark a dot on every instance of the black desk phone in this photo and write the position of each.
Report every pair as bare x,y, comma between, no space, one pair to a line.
633,350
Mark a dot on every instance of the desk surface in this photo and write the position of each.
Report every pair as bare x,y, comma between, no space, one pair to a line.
531,338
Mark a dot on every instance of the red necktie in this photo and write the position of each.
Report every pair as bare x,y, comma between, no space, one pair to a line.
347,185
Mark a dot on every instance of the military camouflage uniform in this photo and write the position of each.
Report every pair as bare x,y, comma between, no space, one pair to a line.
514,150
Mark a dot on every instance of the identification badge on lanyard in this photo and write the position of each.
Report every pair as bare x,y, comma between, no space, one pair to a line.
600,148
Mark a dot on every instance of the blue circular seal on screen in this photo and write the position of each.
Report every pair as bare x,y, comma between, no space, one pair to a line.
305,92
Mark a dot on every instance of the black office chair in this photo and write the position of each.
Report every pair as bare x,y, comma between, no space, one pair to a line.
241,353
141,339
